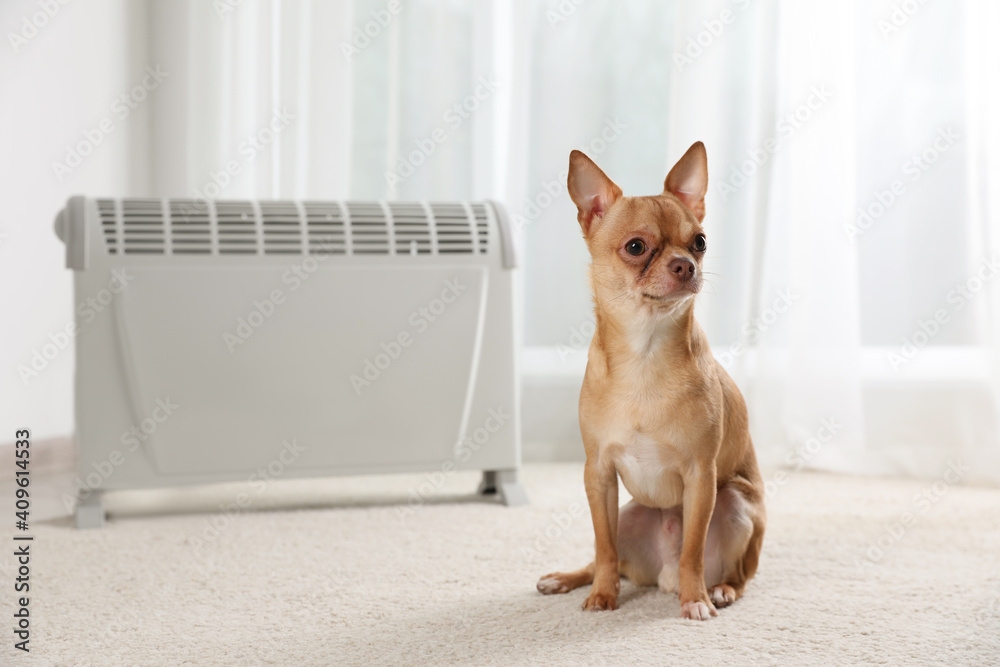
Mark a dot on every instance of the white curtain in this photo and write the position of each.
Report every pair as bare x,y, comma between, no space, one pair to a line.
373,99
853,150
853,167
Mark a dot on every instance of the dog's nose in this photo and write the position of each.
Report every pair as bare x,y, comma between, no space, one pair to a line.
681,268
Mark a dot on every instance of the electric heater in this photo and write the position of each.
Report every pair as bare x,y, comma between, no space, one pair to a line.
242,340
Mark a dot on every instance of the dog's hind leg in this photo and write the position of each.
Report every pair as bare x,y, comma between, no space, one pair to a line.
738,539
733,543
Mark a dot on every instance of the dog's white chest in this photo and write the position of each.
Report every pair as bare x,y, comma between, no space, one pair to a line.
649,470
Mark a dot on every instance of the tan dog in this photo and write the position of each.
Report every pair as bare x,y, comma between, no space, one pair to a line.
656,407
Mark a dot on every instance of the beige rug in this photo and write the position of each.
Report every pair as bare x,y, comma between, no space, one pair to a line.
842,581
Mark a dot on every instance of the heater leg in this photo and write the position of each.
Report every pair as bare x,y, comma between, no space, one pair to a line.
90,512
504,482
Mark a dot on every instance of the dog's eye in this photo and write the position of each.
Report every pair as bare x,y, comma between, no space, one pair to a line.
635,247
699,243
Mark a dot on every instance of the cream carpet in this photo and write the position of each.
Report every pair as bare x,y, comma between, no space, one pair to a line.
453,582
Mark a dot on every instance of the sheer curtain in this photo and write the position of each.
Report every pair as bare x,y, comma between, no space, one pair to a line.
368,99
852,212
803,369
981,61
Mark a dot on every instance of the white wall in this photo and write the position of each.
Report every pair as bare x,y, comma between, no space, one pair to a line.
60,83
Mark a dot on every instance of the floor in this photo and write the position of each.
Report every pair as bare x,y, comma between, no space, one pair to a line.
854,571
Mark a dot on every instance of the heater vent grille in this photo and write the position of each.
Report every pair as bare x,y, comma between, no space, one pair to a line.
369,228
455,234
193,227
106,212
237,223
282,228
142,226
190,228
413,229
325,227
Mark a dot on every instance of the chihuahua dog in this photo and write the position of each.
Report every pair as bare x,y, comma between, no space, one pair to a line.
656,408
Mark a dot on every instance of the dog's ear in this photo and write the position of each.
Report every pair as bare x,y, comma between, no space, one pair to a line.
590,189
688,180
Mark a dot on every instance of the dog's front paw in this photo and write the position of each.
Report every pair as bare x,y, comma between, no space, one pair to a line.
551,584
600,601
723,595
698,610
